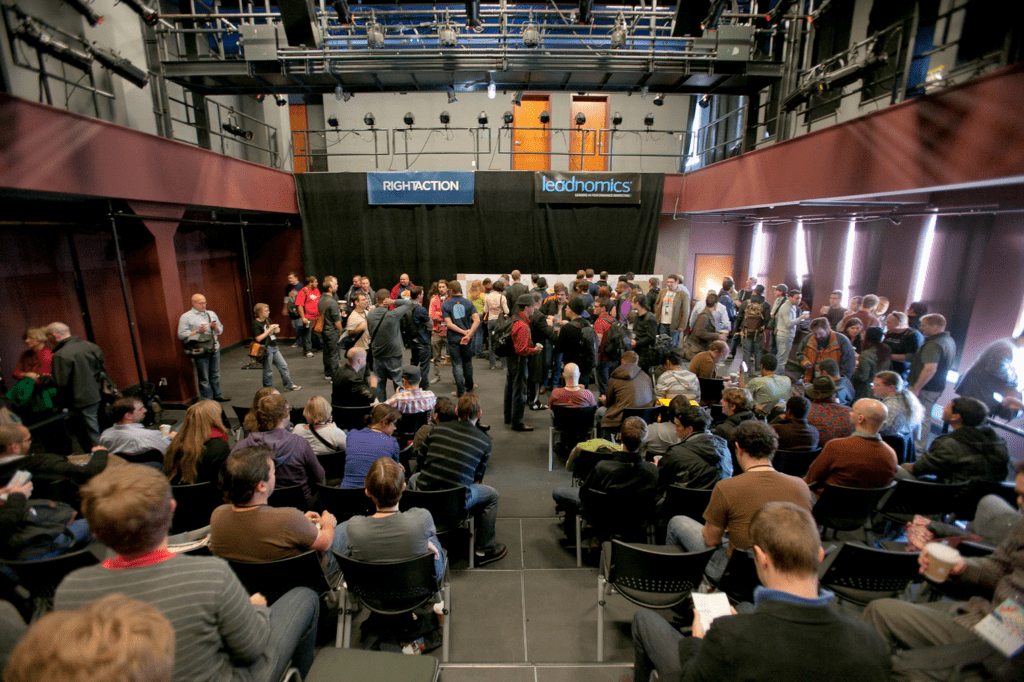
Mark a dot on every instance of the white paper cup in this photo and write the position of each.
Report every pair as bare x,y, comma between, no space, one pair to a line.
941,559
165,429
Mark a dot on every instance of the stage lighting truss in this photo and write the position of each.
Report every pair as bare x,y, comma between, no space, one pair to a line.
86,10
122,67
149,14
43,39
838,71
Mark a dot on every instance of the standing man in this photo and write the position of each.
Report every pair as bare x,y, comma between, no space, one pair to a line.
515,381
75,363
903,342
592,286
462,320
421,326
195,325
825,344
515,291
929,368
780,298
750,323
401,292
834,311
786,317
357,322
672,307
331,334
293,312
384,325
607,356
307,300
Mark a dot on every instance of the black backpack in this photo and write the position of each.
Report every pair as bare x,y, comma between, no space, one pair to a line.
616,341
588,343
407,327
501,337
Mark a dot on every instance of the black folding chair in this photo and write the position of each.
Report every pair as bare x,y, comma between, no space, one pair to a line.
196,503
740,577
585,462
289,496
648,414
273,578
391,588
903,444
151,456
910,498
861,574
842,508
344,503
573,424
795,462
348,418
42,576
652,576
623,515
967,504
333,464
296,416
409,424
448,509
240,413
682,501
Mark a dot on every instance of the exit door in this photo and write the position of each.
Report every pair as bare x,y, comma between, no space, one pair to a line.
588,143
527,115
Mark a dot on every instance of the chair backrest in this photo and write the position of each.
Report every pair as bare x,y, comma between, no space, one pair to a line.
616,512
654,577
795,462
348,418
648,414
846,508
682,501
585,462
333,464
390,587
344,503
296,416
711,390
274,578
903,444
967,503
152,455
409,424
573,420
42,576
195,504
865,569
920,497
240,413
740,577
447,507
289,496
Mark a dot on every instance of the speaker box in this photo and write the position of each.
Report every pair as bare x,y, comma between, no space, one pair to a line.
299,19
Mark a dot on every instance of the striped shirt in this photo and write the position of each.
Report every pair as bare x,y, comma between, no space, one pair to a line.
411,402
457,454
215,624
673,382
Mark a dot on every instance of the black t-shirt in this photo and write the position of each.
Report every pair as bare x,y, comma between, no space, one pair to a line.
332,313
258,328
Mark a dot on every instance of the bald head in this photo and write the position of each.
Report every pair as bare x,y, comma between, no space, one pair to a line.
868,415
58,330
356,358
15,439
199,302
571,373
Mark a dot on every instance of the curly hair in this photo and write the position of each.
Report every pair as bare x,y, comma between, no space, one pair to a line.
757,439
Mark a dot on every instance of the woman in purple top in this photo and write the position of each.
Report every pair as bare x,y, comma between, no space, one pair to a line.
365,446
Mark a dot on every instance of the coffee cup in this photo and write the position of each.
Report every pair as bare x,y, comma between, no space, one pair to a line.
734,377
165,429
941,559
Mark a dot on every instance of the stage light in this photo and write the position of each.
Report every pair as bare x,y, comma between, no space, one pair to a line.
581,118
409,119
341,95
545,117
148,14
508,118
236,131
618,36
704,102
451,96
375,35
473,13
517,98
643,92
82,7
446,35
121,66
281,100
649,120
659,100
446,118
531,35
616,119
344,13
492,89
586,6
332,121
482,118
369,120
34,34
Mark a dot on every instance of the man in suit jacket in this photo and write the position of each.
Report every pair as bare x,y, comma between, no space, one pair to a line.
672,315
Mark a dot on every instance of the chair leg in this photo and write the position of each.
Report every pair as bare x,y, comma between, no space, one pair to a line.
472,540
600,617
447,592
344,618
579,541
551,447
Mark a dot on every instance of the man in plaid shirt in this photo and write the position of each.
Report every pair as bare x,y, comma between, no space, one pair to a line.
410,399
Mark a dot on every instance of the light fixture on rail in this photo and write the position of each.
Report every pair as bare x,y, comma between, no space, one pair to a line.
618,36
447,36
409,119
369,120
659,100
445,118
473,13
344,13
35,35
545,117
616,119
342,95
704,101
482,118
585,15
517,98
581,118
232,128
332,121
649,119
531,35
119,65
148,14
375,35
450,91
281,100
507,117
83,8
492,89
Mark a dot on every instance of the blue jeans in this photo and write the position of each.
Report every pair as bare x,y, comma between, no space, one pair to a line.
491,324
515,389
655,646
664,329
208,375
462,363
85,425
299,328
604,370
753,348
482,502
554,368
293,621
274,357
332,351
785,344
387,368
420,357
689,534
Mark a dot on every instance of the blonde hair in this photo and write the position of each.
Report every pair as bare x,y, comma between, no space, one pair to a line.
36,334
114,638
258,307
183,454
317,410
476,289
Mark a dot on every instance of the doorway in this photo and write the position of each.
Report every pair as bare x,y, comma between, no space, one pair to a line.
595,108
537,142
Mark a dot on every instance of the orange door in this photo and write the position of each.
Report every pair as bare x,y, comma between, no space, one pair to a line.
536,141
596,111
300,141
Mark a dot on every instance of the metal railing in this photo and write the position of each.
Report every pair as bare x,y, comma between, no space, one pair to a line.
218,130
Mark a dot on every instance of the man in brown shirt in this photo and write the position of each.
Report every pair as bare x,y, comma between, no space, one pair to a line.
703,364
858,461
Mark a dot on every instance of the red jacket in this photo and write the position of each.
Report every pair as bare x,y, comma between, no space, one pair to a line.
522,339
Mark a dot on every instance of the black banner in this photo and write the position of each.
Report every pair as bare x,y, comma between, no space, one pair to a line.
556,187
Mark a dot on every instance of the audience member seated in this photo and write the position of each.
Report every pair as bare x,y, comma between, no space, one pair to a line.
831,419
700,459
662,435
703,364
370,443
792,428
792,633
737,406
410,398
26,535
221,633
249,424
874,358
971,452
624,473
54,478
628,386
456,454
858,461
320,431
769,389
905,411
675,380
844,387
351,387
916,628
736,500
391,535
572,394
128,436
296,463
113,638
200,446
827,344
248,529
444,411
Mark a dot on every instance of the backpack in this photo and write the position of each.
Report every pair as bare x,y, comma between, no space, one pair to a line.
753,318
501,337
406,326
588,344
293,310
616,341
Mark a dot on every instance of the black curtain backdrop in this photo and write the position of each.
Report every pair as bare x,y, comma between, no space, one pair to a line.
504,230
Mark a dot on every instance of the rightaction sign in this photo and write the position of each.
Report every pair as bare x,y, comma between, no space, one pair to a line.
554,187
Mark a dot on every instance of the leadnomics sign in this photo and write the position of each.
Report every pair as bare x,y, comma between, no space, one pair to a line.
555,187
420,187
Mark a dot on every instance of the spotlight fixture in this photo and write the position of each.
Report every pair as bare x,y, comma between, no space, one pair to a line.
618,36
451,95
704,102
643,92
585,15
344,13
616,119
236,131
545,117
473,13
507,117
446,35
409,119
375,35
531,35
517,98
148,14
281,100
83,8
492,89
34,34
369,120
581,118
482,118
659,100
446,118
339,93
332,121
119,65
649,119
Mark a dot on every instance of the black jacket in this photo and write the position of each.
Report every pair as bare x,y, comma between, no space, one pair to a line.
75,363
570,345
698,461
350,389
624,473
795,434
727,428
646,328
970,453
54,477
